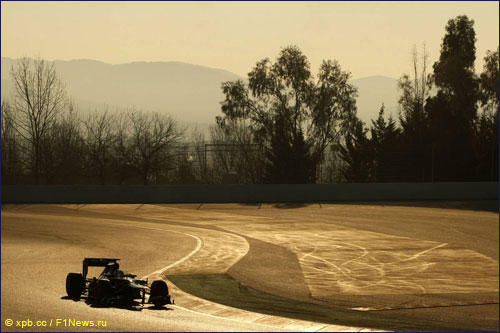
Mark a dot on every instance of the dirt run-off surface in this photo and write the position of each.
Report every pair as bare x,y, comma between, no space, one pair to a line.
311,267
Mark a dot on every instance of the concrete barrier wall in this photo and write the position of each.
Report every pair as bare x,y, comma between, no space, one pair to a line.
250,193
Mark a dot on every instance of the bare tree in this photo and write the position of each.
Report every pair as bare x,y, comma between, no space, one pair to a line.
413,116
99,136
119,163
11,157
146,142
63,148
414,91
39,97
235,150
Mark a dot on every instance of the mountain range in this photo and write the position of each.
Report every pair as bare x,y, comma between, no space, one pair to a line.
190,93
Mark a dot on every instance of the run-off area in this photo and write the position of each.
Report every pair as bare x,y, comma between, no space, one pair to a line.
382,266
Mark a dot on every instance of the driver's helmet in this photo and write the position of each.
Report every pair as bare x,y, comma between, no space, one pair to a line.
119,273
110,268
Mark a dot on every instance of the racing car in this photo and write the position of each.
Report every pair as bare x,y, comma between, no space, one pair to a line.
113,287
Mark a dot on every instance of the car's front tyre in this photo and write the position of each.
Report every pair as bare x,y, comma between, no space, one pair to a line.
159,295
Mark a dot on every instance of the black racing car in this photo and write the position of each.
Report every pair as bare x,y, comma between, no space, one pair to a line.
113,287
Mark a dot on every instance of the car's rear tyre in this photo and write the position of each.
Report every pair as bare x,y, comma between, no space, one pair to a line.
159,293
74,285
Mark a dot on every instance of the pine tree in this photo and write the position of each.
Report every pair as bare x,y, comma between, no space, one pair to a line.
357,154
278,155
386,149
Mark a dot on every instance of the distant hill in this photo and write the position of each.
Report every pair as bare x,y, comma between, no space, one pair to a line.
190,93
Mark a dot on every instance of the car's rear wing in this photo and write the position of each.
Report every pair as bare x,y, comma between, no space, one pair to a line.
96,262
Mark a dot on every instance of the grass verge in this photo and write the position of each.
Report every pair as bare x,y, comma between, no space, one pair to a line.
223,289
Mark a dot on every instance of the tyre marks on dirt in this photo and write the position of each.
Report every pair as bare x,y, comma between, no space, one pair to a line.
337,260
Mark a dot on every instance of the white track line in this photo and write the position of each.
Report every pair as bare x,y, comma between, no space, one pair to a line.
199,244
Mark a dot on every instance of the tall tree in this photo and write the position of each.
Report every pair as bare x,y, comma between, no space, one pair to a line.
453,111
488,124
415,89
39,97
284,94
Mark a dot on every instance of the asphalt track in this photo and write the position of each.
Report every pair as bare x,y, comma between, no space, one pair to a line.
393,262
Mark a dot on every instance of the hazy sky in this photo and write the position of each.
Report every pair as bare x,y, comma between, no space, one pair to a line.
367,38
